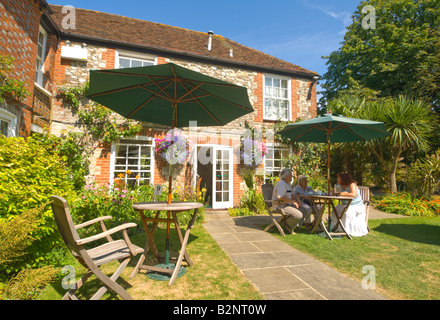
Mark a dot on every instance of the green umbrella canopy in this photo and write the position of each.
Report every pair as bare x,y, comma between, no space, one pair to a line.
170,95
333,128
163,93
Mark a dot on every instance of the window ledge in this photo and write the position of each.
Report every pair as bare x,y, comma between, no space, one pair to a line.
47,93
275,120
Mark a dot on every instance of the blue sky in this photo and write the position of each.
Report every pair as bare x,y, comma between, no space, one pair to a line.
297,31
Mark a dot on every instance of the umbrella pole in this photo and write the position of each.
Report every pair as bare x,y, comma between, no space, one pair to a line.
328,169
167,242
328,183
170,167
170,185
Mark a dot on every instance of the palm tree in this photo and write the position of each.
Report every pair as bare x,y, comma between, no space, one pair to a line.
410,123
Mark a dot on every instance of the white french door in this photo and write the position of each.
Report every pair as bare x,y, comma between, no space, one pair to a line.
222,177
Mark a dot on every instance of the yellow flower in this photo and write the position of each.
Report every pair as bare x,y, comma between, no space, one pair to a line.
128,171
137,177
121,175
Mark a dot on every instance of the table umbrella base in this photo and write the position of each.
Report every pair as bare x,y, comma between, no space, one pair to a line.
162,276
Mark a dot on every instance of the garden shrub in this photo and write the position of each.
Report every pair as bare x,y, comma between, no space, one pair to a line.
422,178
239,212
406,204
102,200
254,201
74,151
190,194
15,237
29,175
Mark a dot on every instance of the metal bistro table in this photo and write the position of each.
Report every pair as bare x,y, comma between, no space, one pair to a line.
165,271
324,200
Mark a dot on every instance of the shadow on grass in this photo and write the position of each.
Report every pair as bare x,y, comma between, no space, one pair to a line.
421,233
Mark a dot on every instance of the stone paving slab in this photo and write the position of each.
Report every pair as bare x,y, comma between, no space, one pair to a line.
279,271
268,280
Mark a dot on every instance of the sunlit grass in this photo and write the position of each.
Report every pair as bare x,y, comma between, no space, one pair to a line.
405,254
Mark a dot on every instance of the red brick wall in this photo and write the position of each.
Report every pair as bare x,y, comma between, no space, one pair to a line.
259,103
20,25
313,108
103,163
161,60
294,91
109,56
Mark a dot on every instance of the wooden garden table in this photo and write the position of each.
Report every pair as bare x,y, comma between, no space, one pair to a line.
324,200
172,210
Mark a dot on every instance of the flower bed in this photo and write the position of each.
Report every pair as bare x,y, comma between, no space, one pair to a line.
406,204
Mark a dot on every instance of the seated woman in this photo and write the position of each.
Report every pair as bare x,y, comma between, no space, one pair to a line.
303,190
292,204
354,218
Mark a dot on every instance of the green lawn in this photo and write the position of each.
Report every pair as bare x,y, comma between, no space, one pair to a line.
404,252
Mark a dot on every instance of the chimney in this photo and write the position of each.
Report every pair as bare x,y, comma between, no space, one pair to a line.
210,33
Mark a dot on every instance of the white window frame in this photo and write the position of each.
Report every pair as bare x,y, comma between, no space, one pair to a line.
39,73
133,56
269,170
11,120
143,141
289,97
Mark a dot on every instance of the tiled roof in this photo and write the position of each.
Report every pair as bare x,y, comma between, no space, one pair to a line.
156,36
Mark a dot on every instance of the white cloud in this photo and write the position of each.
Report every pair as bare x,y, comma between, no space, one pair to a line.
344,16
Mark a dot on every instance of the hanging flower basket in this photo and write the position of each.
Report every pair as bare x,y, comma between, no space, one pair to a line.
175,147
252,152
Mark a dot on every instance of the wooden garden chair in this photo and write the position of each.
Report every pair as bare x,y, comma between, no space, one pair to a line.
92,258
267,190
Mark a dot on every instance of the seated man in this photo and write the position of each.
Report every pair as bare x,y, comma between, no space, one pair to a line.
283,191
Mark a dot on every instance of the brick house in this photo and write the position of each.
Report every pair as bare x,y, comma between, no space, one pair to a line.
79,40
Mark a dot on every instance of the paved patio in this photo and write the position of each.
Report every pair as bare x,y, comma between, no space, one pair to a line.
279,271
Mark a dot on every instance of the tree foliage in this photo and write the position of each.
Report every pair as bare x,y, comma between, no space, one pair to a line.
401,55
410,123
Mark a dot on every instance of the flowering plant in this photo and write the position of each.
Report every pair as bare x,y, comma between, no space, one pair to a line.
175,147
252,152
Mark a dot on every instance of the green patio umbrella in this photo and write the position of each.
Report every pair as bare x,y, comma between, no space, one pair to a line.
170,95
333,128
